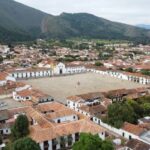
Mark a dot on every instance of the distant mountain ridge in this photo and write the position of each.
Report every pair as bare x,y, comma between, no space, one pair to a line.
19,23
144,26
90,26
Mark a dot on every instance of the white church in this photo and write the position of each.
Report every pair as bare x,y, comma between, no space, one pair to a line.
59,68
46,69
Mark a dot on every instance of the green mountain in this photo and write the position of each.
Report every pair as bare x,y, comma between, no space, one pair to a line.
19,23
90,26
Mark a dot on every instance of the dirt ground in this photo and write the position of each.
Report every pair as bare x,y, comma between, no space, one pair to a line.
61,87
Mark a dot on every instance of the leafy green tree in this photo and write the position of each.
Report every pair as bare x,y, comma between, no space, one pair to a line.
25,144
88,141
146,107
138,109
1,59
146,72
129,69
8,146
144,99
98,63
118,113
107,145
20,128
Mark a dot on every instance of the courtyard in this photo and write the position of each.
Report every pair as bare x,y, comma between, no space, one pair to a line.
63,86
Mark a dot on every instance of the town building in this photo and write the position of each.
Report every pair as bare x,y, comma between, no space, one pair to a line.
59,68
5,77
52,125
93,106
133,77
30,73
135,145
33,95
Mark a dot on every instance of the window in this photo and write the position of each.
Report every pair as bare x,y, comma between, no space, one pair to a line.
130,137
70,140
46,145
123,134
1,132
62,142
54,144
74,117
58,121
77,136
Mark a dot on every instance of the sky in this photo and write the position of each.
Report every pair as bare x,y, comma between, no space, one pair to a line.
125,11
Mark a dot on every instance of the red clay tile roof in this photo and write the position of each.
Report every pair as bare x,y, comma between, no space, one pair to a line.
137,145
40,135
3,75
134,129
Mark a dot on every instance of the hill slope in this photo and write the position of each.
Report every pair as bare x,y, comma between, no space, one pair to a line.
90,26
19,22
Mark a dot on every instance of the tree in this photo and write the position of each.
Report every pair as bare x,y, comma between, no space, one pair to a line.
107,145
146,107
98,63
25,144
146,72
144,99
88,141
118,113
1,59
20,128
8,146
129,69
137,108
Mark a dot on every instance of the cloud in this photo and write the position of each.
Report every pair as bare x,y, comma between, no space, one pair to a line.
126,11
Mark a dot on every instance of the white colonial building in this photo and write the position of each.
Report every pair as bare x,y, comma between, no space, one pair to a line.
133,77
28,73
53,126
59,68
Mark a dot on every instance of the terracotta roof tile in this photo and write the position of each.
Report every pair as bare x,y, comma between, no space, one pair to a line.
137,145
135,129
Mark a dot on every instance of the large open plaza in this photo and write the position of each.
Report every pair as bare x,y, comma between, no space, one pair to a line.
61,87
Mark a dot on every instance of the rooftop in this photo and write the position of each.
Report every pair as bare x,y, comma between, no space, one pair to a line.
134,129
146,136
137,145
39,134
